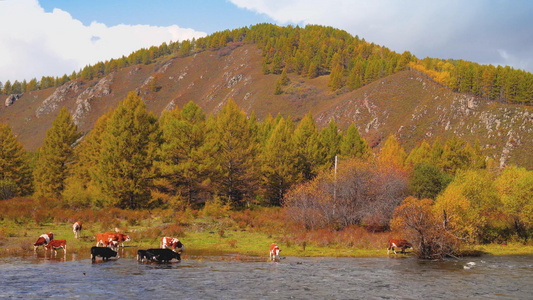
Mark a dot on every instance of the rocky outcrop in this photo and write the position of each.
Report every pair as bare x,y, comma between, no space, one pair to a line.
12,98
83,101
61,94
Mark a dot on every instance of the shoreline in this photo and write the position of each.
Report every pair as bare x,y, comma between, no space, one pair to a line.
229,242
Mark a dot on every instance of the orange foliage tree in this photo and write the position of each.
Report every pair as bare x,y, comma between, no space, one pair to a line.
418,221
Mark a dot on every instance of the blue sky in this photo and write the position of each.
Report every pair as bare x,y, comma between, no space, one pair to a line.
55,37
208,16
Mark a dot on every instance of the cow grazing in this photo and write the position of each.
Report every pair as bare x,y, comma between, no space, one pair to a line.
162,255
104,252
168,242
43,240
274,252
402,244
76,228
57,244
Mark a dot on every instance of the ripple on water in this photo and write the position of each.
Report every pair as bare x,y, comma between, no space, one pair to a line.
226,277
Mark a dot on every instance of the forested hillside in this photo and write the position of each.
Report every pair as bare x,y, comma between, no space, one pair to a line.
266,115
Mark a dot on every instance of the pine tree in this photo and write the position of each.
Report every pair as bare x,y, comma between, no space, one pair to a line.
277,88
265,68
279,162
129,149
277,64
182,150
284,79
14,164
335,78
354,79
56,154
234,154
392,154
309,150
352,145
419,155
330,140
7,87
312,72
454,156
82,187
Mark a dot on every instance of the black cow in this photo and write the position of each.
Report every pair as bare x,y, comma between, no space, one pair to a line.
142,255
104,252
162,255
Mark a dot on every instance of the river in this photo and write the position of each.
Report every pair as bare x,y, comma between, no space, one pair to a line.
236,277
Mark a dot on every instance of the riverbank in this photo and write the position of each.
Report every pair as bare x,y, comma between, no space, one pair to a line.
216,236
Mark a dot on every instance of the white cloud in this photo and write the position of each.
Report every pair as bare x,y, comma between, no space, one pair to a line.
473,30
34,43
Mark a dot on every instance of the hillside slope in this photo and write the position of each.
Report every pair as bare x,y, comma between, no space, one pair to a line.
405,104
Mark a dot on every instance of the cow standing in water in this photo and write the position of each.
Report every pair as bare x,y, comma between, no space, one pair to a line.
402,244
104,252
43,240
274,252
76,228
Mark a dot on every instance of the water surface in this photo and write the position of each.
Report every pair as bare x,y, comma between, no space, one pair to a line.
232,277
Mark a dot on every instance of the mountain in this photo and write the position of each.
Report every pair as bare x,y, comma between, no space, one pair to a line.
407,103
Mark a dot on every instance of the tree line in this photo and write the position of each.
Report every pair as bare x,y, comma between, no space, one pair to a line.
131,159
312,51
323,177
486,81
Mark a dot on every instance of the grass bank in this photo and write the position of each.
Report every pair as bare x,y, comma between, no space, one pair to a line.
214,230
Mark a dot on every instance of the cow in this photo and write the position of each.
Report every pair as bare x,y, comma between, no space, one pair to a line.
142,255
43,240
274,252
119,237
107,239
104,252
103,239
402,244
168,242
76,228
162,255
57,244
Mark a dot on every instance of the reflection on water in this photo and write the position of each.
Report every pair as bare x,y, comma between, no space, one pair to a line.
224,277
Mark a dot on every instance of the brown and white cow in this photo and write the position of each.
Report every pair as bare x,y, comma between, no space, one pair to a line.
274,252
103,239
57,244
402,244
119,237
108,238
43,240
76,228
168,242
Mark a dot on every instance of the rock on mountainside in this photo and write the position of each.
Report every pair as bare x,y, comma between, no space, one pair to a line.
12,98
405,104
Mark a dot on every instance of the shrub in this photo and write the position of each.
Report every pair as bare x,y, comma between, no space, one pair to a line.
8,189
364,193
216,208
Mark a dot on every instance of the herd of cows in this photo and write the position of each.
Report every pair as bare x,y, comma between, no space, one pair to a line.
107,245
170,248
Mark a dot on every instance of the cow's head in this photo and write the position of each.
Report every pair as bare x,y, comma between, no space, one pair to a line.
179,245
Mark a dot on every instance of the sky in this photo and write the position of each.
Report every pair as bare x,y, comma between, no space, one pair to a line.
56,37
